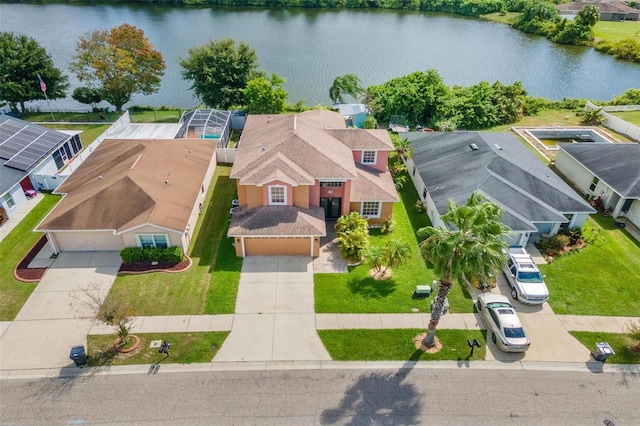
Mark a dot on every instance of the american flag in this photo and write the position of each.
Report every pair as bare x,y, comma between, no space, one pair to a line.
43,86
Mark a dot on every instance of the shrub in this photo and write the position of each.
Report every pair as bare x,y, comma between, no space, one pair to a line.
388,224
139,254
633,328
420,207
574,234
558,242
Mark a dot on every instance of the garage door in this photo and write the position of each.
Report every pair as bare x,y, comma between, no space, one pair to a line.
277,246
88,241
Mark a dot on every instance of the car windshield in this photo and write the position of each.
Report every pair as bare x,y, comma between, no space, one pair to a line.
530,277
513,332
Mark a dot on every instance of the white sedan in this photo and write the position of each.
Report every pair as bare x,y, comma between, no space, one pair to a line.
502,322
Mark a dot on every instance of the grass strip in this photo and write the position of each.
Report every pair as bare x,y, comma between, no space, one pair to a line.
186,348
398,345
12,249
621,344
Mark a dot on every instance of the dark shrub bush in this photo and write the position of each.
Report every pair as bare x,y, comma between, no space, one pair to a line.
139,254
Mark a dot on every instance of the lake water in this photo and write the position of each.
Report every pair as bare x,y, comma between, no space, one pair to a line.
311,47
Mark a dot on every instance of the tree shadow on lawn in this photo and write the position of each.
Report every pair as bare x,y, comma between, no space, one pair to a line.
372,288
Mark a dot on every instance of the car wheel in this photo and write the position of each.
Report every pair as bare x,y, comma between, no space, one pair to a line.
493,338
514,294
479,306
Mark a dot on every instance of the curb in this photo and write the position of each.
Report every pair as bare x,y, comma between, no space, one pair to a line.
73,372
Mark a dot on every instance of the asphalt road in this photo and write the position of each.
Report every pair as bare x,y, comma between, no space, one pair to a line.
341,397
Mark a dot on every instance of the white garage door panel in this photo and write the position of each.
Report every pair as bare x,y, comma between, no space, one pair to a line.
88,241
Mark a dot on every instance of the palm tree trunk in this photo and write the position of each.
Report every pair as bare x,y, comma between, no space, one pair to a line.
443,290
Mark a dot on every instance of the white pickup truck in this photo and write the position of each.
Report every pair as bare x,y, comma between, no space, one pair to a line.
524,277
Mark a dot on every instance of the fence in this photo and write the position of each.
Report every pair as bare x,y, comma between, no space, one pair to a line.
616,123
226,155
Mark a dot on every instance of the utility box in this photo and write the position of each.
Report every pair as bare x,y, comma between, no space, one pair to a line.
422,291
602,351
78,355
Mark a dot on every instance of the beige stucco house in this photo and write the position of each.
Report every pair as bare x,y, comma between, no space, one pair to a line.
607,170
295,171
132,193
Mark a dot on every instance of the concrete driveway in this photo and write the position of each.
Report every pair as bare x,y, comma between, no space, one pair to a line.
54,318
274,319
550,339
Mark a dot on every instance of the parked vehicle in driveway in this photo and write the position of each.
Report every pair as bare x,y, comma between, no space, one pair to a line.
524,277
502,322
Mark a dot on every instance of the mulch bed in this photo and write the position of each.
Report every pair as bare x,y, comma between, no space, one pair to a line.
26,274
143,268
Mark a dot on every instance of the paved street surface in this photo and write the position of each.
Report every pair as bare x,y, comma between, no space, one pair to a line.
457,396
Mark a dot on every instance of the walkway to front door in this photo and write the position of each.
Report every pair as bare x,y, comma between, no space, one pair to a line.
275,318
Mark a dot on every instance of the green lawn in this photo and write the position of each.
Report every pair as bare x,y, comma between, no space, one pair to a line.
632,117
501,17
616,30
210,286
12,249
387,345
156,116
621,344
186,348
357,292
603,279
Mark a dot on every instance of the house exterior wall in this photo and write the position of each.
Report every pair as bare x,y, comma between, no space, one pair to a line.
386,209
277,246
301,196
382,159
198,206
175,238
254,196
17,194
85,241
265,192
346,197
633,214
574,171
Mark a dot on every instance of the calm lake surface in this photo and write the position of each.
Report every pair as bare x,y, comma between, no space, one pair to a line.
311,47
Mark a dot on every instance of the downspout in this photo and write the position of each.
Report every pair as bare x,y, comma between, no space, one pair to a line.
242,244
52,243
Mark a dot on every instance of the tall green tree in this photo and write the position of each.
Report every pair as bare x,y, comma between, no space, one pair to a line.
22,59
119,63
471,245
265,96
348,84
219,71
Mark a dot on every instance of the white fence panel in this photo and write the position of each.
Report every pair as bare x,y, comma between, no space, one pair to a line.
617,123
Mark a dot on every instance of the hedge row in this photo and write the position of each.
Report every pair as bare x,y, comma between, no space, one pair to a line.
140,255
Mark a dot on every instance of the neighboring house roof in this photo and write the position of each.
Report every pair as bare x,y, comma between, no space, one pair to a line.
351,109
615,6
23,146
311,145
502,168
617,164
128,183
278,221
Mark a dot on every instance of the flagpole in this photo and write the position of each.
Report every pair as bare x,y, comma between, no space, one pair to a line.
43,87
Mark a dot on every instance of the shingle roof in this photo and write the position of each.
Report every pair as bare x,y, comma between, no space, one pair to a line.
501,167
373,185
277,221
617,164
314,144
126,183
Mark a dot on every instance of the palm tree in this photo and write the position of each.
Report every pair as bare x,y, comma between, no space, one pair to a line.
396,254
471,245
352,231
402,147
348,84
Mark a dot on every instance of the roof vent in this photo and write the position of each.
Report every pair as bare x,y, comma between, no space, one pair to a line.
190,151
473,147
166,182
262,148
100,177
497,146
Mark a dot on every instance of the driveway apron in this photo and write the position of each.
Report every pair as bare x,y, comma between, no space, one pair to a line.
274,319
54,318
